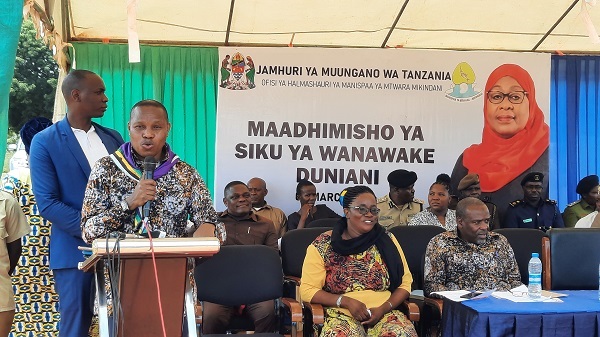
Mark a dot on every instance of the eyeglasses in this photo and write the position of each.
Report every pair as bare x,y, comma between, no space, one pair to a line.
363,210
519,293
515,97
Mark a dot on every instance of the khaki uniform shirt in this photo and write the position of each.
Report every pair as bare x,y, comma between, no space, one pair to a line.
274,214
576,211
392,215
13,226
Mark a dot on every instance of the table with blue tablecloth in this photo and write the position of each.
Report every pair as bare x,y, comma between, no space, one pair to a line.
577,316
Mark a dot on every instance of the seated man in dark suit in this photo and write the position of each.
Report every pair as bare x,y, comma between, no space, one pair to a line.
243,227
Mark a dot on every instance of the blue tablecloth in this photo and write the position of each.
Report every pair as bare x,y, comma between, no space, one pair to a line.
577,316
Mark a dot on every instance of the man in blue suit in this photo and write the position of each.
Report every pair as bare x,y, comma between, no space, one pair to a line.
61,159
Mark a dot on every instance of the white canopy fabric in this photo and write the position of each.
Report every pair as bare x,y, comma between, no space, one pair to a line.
514,25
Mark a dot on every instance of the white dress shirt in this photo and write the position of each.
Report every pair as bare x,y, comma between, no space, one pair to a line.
91,144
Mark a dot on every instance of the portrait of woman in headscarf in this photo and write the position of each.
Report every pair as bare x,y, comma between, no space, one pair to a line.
515,138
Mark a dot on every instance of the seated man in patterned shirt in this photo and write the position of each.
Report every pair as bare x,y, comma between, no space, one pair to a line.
471,257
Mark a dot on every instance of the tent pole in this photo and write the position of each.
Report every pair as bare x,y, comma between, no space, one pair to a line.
555,24
229,22
394,24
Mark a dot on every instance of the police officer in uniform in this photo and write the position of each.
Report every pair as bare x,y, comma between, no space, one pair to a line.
532,211
469,187
400,205
588,189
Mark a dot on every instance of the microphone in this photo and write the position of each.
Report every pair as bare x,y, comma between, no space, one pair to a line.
148,173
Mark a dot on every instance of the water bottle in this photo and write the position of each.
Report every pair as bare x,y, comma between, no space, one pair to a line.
535,276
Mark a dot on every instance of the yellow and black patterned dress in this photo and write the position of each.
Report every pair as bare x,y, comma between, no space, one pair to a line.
362,276
36,301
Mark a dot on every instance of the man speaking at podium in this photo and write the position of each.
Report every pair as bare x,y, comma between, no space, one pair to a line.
116,191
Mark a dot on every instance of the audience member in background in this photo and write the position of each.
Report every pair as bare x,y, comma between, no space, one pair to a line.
13,226
437,214
400,205
61,159
306,193
334,273
243,227
444,178
36,299
470,257
258,192
591,220
588,189
469,187
515,138
532,211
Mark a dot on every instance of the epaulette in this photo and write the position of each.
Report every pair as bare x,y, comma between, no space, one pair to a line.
551,202
574,203
382,199
417,200
515,203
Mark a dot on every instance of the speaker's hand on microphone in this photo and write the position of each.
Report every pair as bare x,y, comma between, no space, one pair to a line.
144,191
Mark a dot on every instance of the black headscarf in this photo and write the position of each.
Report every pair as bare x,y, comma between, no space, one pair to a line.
378,237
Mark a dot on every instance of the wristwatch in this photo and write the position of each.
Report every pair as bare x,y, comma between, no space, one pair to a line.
125,206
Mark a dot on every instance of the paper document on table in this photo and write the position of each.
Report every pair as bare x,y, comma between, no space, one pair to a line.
453,295
520,294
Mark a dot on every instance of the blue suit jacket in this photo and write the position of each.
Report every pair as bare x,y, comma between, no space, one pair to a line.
59,175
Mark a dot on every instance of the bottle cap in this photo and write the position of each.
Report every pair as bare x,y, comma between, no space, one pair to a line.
535,255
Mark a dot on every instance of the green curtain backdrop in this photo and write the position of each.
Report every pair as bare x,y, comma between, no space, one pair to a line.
11,17
184,79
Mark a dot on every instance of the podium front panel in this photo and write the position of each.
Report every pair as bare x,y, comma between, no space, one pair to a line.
139,297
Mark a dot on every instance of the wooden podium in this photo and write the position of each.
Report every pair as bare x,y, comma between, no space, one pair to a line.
140,315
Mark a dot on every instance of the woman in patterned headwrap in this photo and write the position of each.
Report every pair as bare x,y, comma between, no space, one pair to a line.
36,301
358,272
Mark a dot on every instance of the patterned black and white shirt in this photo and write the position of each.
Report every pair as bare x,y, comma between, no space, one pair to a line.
454,264
181,195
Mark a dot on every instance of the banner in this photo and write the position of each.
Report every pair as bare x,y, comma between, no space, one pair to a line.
344,117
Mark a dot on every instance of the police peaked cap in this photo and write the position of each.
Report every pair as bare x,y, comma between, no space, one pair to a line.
586,184
402,178
533,176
